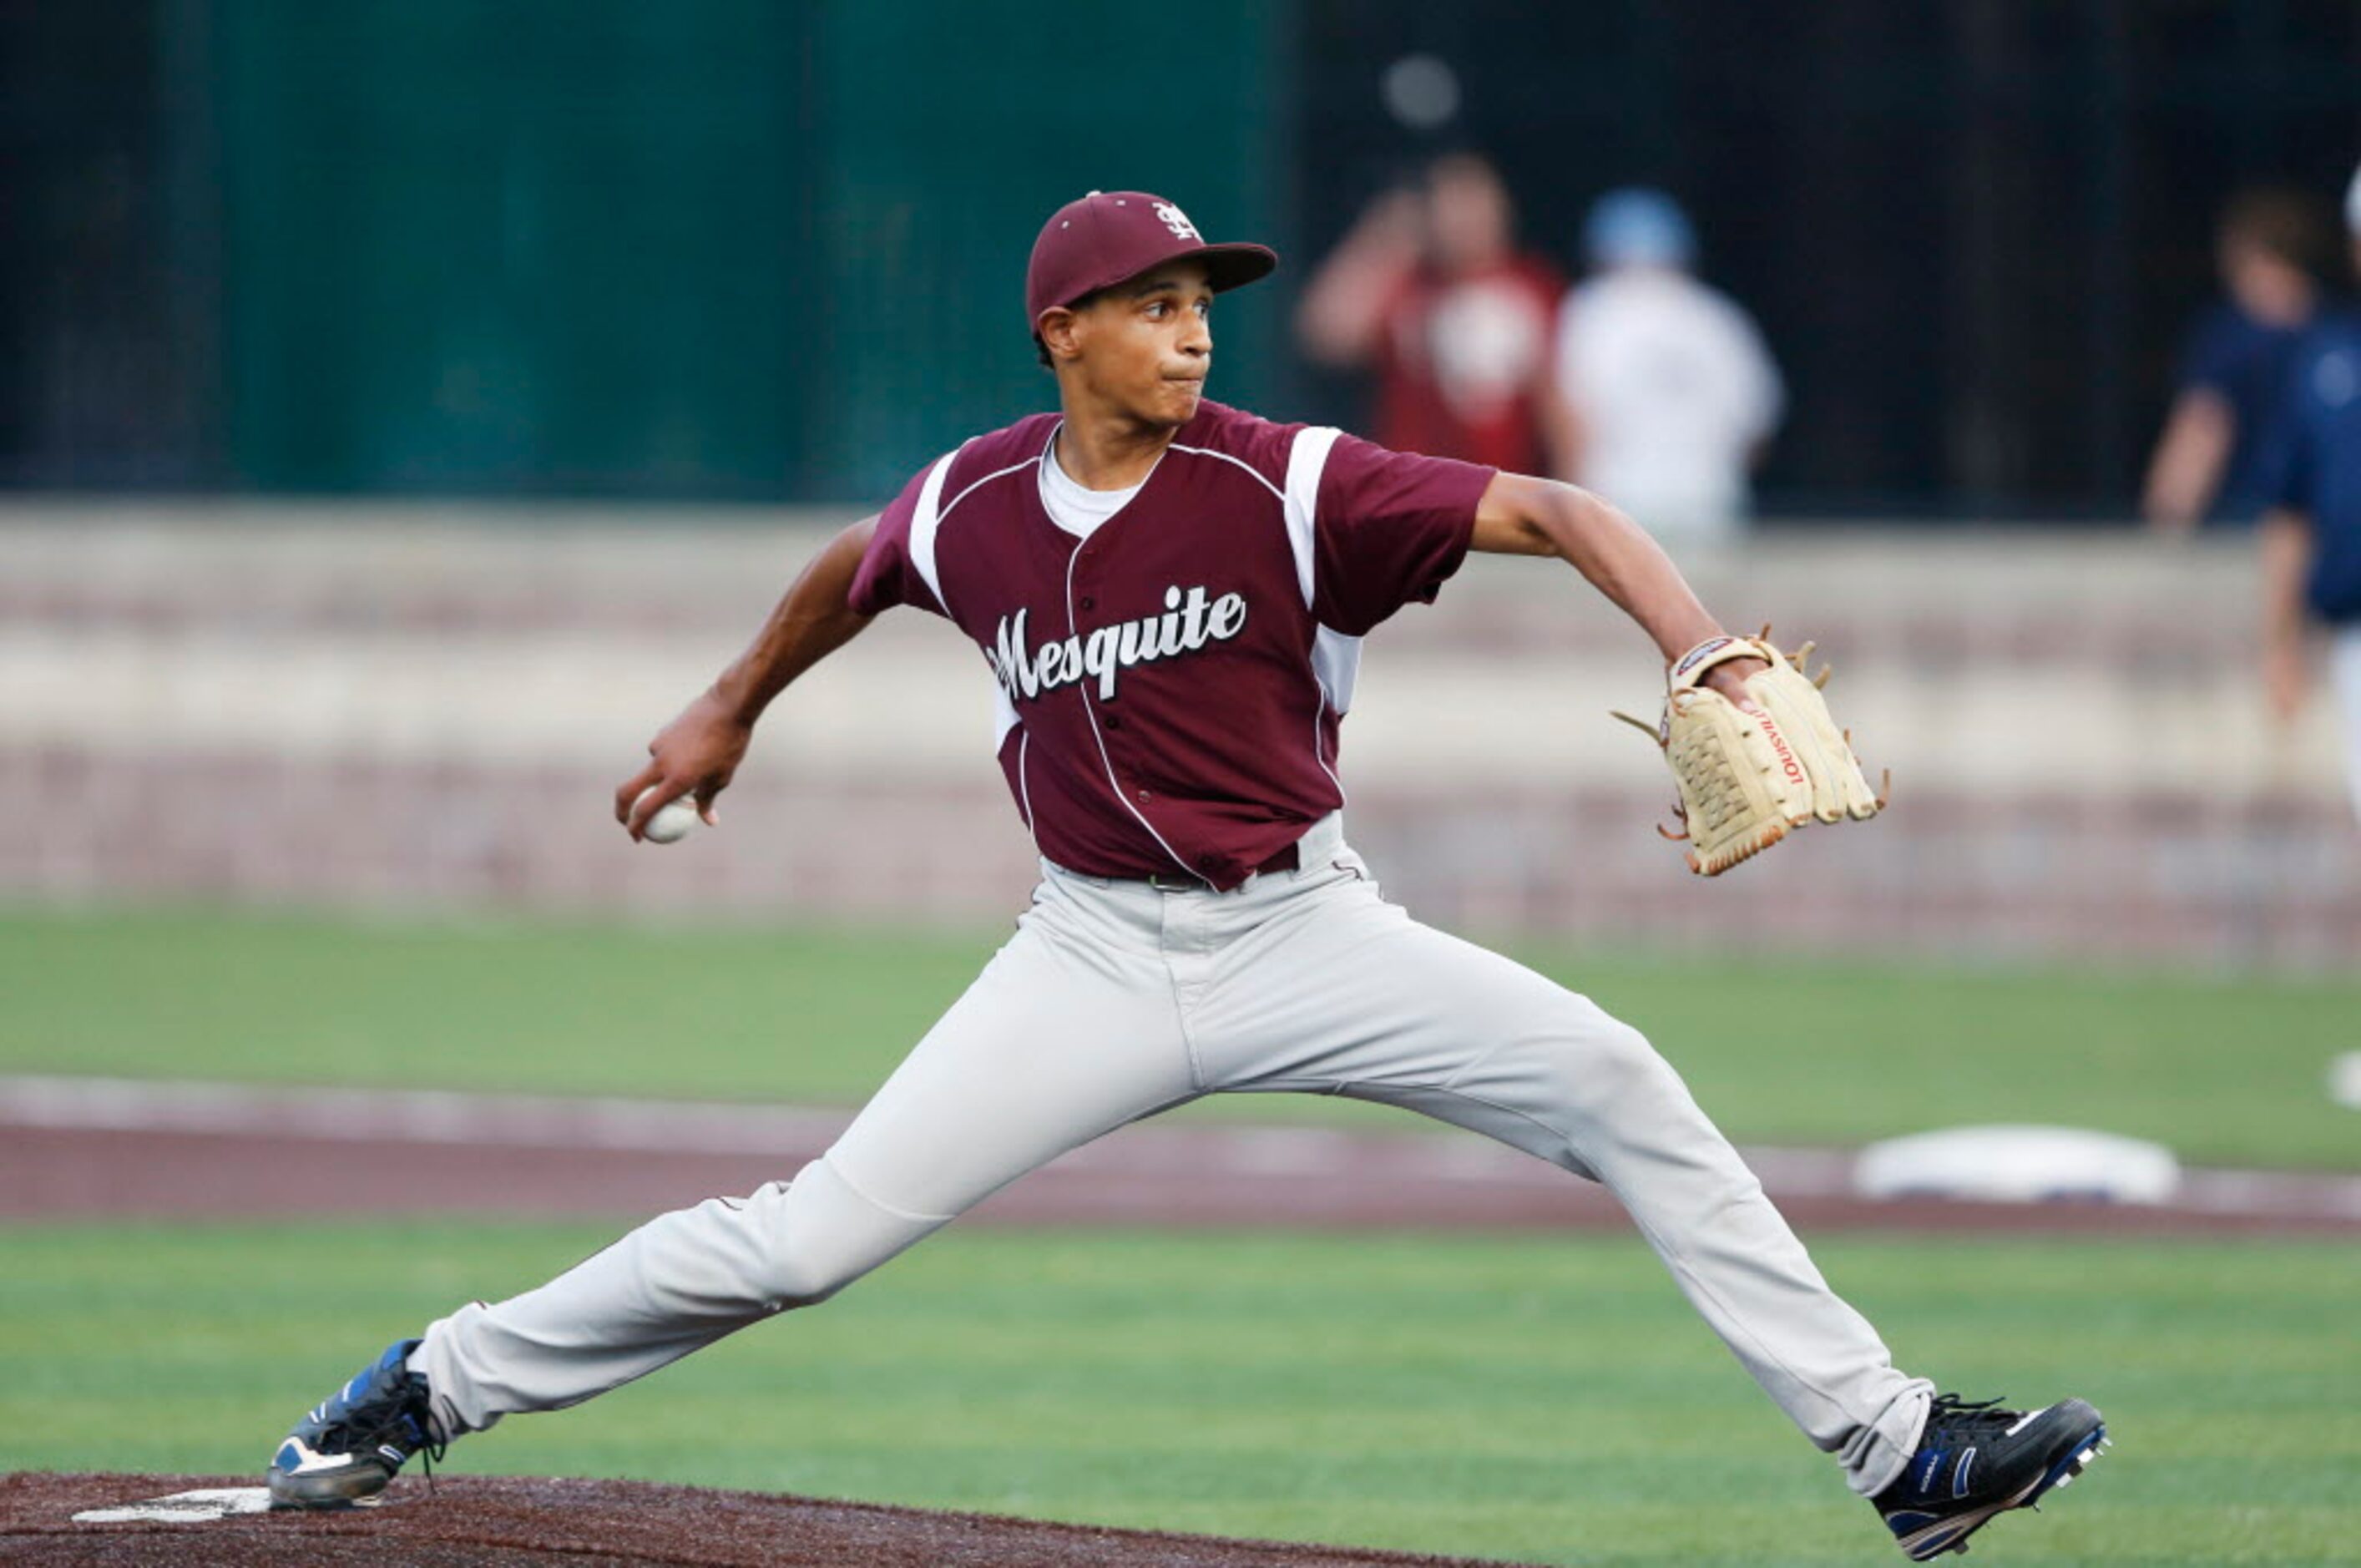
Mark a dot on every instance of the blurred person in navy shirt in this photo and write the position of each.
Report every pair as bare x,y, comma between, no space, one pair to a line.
2270,248
2311,537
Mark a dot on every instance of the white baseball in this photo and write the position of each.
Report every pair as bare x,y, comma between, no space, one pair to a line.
672,822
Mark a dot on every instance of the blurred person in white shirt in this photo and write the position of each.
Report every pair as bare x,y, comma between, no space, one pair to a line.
1669,394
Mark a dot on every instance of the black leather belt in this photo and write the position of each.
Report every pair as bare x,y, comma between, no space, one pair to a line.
1285,859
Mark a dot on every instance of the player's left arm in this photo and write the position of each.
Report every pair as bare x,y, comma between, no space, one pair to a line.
2190,458
1521,515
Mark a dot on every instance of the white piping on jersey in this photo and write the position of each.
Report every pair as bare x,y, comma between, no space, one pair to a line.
1307,459
1335,661
1073,627
927,521
1025,788
1004,712
995,474
1003,716
1319,755
925,518
1208,452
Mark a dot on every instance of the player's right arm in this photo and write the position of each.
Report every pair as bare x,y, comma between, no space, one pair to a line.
2285,538
2285,542
1343,312
699,751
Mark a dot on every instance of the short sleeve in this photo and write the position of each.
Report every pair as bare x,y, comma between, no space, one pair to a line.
1388,528
887,575
2284,458
2211,358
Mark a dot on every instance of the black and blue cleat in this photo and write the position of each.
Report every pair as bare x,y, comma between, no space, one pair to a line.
1975,1462
345,1453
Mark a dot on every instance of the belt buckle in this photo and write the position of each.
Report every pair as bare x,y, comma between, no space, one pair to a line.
1165,881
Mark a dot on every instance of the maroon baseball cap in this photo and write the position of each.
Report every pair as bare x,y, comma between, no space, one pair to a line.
1110,236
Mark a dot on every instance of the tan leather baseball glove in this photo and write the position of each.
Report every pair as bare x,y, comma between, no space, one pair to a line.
1747,777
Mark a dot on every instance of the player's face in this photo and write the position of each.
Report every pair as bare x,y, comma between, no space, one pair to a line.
1469,209
2266,284
1147,343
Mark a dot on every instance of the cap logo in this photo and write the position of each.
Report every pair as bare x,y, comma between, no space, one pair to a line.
1178,222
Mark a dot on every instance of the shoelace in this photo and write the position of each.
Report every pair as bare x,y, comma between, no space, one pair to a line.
409,1417
431,1448
1950,1413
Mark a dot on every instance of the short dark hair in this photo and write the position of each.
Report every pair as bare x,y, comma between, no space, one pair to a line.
2279,222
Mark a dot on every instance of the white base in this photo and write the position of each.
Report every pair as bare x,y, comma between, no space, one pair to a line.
2344,1080
2018,1165
183,1508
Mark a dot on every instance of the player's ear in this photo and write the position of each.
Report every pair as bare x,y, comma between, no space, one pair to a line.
1061,333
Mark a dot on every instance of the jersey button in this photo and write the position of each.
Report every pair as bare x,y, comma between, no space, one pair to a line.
1148,795
1114,721
1089,603
1206,862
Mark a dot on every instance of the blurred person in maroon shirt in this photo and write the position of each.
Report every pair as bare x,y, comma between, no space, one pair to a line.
1430,291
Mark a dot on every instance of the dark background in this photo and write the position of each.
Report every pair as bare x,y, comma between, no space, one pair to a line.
741,250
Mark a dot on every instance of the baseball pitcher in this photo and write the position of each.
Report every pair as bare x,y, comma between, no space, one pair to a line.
1169,597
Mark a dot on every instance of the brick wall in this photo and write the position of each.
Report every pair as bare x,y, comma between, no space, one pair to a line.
427,709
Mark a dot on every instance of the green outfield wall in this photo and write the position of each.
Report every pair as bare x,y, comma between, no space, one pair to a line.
735,248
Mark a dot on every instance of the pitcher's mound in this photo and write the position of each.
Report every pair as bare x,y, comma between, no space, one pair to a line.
473,1521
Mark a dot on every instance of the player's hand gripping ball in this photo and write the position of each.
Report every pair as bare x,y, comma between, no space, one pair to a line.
672,821
1748,775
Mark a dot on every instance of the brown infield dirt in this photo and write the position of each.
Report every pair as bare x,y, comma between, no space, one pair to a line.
95,1148
541,1159
505,1522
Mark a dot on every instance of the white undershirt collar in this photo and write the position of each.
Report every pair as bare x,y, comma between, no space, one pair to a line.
1073,507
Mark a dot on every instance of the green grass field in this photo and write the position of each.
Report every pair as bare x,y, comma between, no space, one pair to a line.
1552,1400
2224,1070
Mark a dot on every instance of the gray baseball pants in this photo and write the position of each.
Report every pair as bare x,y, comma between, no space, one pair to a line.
1115,1000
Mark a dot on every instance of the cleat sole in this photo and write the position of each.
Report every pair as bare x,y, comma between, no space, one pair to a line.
1951,1534
349,1489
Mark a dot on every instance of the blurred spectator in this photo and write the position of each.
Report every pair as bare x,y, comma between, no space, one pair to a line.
1667,391
2312,535
2269,250
1429,290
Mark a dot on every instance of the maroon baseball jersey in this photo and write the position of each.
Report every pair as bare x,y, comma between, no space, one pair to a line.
1170,687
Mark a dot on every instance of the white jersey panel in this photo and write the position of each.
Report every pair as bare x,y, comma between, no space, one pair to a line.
926,519
1307,459
1335,658
1336,663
